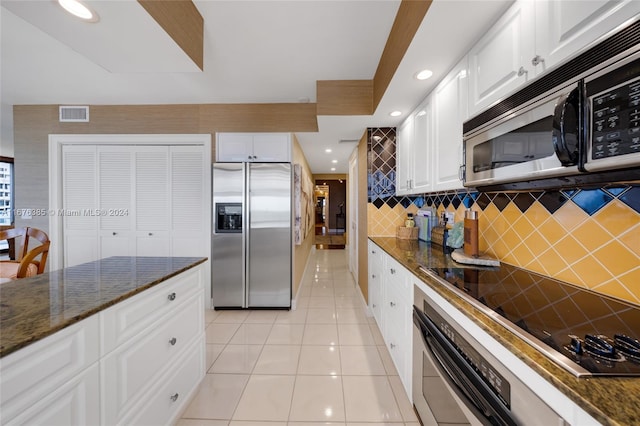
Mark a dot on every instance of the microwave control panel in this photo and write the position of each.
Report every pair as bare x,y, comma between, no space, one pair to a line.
615,121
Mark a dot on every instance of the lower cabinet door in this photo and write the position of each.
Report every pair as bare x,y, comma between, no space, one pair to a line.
77,402
168,398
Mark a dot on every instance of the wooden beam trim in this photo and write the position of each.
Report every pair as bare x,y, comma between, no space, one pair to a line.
184,24
408,19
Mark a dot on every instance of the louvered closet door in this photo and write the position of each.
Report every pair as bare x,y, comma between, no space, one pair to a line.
115,181
152,201
187,201
79,201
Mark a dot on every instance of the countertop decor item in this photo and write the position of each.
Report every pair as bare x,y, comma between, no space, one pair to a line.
407,233
471,233
460,256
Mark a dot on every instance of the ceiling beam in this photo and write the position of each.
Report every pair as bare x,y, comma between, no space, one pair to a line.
408,19
344,97
184,24
361,97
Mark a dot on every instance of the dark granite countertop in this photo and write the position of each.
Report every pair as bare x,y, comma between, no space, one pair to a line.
610,400
36,307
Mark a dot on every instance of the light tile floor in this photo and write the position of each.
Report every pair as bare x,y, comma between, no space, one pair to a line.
325,362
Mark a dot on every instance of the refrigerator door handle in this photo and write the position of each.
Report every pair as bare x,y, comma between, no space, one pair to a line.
246,232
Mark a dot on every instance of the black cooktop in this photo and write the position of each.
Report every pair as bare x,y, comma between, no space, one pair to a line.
594,331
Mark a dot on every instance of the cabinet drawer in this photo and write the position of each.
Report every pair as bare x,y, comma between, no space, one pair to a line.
129,370
399,345
32,373
126,319
397,279
168,398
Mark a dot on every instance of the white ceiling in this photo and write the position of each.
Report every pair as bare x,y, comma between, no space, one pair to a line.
260,51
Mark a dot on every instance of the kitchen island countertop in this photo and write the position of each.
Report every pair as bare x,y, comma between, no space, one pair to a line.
36,307
610,400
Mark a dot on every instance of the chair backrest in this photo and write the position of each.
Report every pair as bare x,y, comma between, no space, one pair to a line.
29,256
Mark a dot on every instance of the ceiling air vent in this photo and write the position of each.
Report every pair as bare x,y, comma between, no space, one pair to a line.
348,141
74,114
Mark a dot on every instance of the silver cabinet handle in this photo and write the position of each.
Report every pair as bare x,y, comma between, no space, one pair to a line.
150,234
114,233
392,304
373,275
537,60
391,345
373,251
173,341
249,157
374,305
522,72
171,296
174,397
393,271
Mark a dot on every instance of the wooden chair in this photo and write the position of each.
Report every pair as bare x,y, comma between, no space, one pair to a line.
26,264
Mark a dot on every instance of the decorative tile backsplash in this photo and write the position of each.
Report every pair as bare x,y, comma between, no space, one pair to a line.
587,237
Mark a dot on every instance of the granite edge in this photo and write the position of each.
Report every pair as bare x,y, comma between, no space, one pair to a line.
4,351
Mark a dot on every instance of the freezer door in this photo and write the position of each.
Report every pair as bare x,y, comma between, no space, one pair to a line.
228,249
269,243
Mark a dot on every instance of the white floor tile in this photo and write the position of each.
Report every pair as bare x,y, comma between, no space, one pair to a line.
217,397
319,360
236,359
266,398
278,359
220,333
286,334
317,399
320,334
251,334
355,334
361,361
232,316
299,316
321,316
213,351
370,399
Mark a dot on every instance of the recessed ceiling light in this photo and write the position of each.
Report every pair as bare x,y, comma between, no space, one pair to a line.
79,9
328,150
424,74
395,113
334,161
333,169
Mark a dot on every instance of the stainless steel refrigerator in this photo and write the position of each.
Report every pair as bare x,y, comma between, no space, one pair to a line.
252,239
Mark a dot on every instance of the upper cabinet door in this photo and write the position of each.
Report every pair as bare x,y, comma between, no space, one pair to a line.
272,147
563,28
234,147
421,163
501,61
404,147
450,110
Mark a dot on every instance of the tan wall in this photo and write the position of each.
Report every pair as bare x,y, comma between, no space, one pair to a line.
363,264
301,252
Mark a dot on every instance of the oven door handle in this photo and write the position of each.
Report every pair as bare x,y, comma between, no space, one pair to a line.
459,373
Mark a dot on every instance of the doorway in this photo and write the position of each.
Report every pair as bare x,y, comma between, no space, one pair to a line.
330,212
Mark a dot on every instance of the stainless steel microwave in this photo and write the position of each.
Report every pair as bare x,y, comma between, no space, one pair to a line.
578,124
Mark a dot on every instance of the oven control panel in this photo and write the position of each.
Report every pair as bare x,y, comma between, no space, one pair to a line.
498,384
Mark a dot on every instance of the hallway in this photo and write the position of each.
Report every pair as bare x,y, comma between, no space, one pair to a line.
323,362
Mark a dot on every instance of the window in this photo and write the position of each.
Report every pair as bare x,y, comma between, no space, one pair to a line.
6,196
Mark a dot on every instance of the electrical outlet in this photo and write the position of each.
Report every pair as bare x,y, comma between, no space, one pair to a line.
450,217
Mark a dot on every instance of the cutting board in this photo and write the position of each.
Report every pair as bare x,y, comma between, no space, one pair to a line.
482,260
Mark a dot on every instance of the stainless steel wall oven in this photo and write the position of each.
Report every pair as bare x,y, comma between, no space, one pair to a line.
456,380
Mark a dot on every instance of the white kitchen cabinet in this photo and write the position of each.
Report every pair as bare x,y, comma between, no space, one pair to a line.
395,317
500,61
564,28
532,37
133,367
450,111
253,147
375,260
413,149
404,147
133,201
52,381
